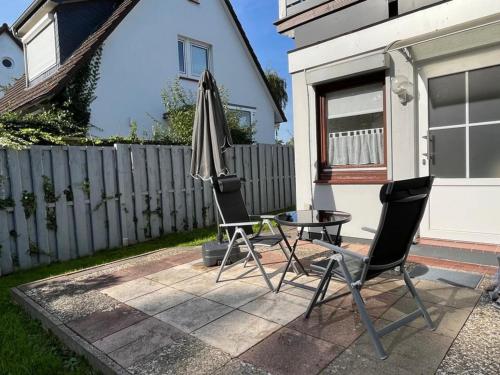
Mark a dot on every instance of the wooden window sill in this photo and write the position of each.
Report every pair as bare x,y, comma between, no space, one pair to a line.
188,79
353,177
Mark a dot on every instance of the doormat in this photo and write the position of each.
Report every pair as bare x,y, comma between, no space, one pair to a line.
455,278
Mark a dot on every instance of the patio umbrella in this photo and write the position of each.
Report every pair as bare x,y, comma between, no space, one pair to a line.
211,135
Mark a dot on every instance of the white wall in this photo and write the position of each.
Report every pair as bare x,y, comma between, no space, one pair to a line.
362,201
140,58
8,48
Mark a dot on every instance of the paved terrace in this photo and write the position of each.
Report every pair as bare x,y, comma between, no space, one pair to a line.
162,313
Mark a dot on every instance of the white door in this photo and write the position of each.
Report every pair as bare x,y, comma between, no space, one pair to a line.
459,143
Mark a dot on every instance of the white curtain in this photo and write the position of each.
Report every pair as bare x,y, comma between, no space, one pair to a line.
357,147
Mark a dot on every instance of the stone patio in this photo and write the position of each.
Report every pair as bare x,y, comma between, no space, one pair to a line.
163,313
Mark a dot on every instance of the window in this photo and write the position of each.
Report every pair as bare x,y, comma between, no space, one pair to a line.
464,124
351,131
194,58
7,62
246,115
41,52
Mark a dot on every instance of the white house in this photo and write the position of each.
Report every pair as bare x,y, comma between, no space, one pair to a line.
146,45
394,89
11,57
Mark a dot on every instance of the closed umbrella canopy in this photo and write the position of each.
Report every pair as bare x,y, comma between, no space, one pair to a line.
211,135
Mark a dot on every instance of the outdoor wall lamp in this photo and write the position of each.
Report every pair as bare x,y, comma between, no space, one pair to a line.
402,88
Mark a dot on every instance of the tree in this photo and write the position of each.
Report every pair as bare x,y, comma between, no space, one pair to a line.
180,106
278,87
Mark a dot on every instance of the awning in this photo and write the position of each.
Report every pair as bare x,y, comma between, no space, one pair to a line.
483,32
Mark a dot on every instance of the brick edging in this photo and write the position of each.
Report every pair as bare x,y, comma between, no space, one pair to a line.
97,359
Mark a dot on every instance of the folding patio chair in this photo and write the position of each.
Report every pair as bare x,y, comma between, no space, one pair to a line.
403,207
238,225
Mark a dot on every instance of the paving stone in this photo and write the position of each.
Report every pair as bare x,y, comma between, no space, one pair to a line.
159,300
132,289
310,282
236,293
184,356
236,366
376,302
193,314
392,285
198,285
290,352
353,363
137,341
100,324
418,351
185,256
448,320
280,308
236,332
446,294
175,274
337,326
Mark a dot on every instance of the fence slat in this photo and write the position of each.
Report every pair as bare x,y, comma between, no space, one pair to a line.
38,174
97,198
138,166
256,180
269,178
112,197
165,186
6,263
292,172
179,194
262,179
153,179
123,165
77,166
247,174
189,188
280,177
286,177
21,225
61,212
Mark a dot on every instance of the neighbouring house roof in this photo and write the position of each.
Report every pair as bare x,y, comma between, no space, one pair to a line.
5,29
19,96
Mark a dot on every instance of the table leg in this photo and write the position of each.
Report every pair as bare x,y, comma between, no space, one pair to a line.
292,257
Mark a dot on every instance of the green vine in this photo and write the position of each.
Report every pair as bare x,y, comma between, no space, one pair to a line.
104,199
28,201
6,203
35,250
86,187
48,190
68,193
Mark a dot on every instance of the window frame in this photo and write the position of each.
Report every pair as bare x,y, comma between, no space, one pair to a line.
251,110
347,174
188,44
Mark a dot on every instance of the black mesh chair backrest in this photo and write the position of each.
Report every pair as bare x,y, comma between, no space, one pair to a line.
403,208
230,202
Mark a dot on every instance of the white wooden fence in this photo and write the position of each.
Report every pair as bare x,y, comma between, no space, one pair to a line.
59,203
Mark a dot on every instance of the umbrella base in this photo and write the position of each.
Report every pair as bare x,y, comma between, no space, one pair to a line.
213,253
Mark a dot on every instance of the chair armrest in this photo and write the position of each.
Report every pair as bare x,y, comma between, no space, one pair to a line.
342,251
244,224
369,230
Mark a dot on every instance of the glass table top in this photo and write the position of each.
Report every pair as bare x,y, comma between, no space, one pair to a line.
313,218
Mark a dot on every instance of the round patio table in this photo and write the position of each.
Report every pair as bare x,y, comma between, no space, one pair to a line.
310,219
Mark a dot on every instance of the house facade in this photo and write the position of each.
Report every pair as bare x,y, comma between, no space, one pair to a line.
11,57
145,45
387,90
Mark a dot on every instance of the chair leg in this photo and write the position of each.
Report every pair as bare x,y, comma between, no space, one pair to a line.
417,299
287,256
325,288
247,259
226,256
356,295
319,290
257,261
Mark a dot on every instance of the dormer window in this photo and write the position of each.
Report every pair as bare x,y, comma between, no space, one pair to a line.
40,47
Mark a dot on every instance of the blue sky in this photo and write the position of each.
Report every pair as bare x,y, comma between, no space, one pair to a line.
256,16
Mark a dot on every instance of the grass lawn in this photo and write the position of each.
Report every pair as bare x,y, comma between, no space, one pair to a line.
25,347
